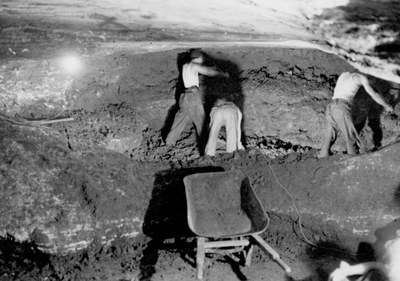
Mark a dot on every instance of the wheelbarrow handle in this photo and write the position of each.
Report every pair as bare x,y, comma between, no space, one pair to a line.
268,249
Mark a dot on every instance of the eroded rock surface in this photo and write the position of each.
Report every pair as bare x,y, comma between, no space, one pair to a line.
65,201
282,92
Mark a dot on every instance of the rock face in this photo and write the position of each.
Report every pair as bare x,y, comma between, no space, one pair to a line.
32,87
64,201
282,92
61,201
353,195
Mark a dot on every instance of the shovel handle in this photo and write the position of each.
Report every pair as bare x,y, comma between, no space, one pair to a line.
268,249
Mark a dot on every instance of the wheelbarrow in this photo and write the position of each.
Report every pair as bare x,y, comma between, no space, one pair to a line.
227,217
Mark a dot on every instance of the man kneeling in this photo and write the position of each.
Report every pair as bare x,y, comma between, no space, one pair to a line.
224,113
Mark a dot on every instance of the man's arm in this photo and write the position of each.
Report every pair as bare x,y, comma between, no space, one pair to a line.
208,70
376,97
345,270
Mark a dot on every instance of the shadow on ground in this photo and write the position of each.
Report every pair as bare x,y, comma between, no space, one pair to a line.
166,217
321,260
368,113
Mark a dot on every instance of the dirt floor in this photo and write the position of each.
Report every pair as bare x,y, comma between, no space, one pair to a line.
125,260
148,257
159,258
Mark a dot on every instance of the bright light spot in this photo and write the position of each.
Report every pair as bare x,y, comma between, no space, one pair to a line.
71,64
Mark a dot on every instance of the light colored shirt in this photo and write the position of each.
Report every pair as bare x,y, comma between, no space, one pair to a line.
346,88
190,75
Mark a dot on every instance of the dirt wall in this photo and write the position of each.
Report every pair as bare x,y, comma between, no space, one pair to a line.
65,201
282,92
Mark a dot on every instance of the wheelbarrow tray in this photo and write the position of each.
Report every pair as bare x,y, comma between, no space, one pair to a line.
223,204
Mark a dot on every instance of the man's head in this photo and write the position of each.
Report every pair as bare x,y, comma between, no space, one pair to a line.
196,55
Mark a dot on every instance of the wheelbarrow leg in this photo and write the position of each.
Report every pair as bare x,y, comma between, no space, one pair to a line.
200,256
268,249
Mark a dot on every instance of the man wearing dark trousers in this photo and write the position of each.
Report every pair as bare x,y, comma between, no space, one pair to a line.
339,112
191,108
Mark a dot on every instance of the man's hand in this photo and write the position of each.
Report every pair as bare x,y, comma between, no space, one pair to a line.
389,108
338,275
225,74
341,273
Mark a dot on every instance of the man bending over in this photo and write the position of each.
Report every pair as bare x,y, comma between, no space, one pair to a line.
339,112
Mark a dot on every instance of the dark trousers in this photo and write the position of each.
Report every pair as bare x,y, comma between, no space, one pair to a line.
339,119
191,110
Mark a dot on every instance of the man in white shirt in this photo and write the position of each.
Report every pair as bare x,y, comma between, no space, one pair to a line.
191,108
225,113
338,112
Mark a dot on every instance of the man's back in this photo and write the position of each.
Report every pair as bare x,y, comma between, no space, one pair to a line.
346,86
190,75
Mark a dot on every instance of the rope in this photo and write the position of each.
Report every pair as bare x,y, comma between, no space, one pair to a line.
25,122
306,240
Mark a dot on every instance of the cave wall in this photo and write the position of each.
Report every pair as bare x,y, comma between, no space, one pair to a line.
282,92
